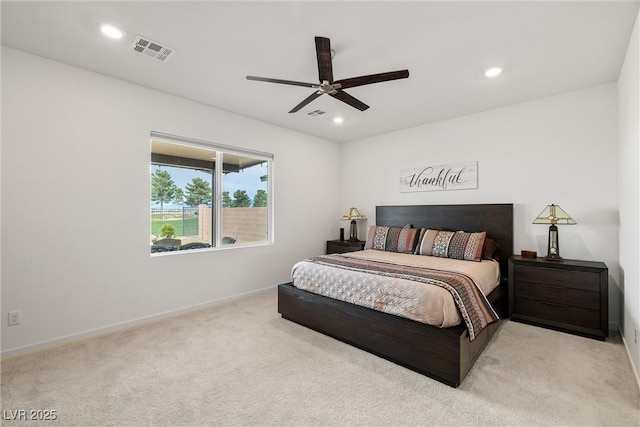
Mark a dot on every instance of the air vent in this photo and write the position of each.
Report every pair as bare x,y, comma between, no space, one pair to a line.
151,49
315,113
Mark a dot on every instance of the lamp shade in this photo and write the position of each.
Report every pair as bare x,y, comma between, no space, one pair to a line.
353,214
554,214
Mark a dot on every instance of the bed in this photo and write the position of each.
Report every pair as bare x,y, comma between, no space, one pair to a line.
444,354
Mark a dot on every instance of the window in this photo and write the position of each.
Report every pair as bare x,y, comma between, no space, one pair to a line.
207,195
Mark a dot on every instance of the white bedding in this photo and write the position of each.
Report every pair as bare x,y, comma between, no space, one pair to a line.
425,303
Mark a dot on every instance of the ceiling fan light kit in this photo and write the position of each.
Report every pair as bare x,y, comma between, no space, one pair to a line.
328,86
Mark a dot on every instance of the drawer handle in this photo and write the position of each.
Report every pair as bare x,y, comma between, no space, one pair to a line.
555,304
552,286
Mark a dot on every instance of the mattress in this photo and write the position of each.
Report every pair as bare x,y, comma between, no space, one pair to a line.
416,300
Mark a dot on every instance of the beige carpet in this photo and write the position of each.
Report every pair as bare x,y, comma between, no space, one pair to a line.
241,364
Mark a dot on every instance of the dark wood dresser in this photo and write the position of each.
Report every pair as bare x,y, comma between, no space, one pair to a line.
570,296
342,246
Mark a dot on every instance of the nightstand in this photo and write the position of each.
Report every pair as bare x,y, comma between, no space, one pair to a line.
570,296
342,246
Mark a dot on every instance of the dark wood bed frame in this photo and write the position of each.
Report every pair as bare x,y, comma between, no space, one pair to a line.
445,355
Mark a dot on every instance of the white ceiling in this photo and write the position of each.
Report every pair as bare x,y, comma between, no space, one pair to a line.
545,48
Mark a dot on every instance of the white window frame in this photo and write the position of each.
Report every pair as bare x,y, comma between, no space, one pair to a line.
220,150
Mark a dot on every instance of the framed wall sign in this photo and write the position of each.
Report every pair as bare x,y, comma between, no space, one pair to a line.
457,176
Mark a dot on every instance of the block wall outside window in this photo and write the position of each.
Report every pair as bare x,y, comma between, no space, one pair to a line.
241,224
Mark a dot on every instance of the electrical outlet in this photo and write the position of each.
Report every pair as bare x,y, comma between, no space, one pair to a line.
15,317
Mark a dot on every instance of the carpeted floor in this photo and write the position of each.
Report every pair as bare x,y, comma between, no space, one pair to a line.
241,364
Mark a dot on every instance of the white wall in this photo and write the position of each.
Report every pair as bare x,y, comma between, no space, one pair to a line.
629,194
75,150
75,202
560,149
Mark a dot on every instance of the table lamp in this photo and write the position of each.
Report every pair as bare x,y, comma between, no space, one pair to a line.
553,214
354,215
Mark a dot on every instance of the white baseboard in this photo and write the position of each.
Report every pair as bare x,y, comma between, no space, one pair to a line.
19,351
633,368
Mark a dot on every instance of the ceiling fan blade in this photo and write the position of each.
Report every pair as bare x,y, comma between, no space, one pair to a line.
345,97
284,82
307,100
373,78
334,88
323,53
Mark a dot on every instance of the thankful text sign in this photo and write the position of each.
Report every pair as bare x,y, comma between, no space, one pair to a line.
458,176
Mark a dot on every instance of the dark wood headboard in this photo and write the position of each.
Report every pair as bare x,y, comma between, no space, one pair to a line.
495,219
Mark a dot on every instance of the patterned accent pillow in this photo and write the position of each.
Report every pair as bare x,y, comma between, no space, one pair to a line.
393,234
449,244
473,245
407,239
391,239
425,242
457,246
441,243
376,238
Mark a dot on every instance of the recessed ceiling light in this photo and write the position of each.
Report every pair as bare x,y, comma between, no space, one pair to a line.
338,120
493,72
111,31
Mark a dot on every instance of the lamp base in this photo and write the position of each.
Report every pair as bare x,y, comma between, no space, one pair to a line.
553,246
353,231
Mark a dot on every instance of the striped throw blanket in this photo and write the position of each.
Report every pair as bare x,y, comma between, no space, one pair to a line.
473,305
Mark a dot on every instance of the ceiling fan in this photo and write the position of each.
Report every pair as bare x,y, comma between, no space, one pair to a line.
328,85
